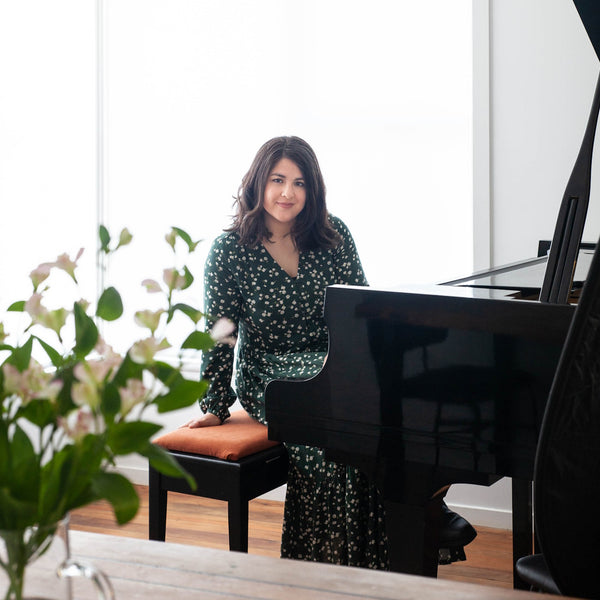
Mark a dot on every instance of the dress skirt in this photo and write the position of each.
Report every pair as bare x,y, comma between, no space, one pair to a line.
332,513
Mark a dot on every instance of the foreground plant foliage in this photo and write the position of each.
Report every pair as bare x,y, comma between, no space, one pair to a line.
69,409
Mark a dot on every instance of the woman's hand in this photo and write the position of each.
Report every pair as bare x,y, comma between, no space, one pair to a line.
207,420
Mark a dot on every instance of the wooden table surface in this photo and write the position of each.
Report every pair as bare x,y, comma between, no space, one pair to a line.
142,569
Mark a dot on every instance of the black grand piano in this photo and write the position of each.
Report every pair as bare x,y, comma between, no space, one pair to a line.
428,386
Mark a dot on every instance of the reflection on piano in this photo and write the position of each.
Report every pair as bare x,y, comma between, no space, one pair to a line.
429,386
423,388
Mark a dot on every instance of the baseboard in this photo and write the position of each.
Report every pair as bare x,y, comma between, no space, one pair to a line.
485,517
137,475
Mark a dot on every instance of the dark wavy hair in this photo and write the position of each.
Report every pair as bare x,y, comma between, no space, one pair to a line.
312,228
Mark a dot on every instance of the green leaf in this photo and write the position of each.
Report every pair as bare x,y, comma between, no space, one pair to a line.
55,480
164,372
121,494
183,394
129,436
53,355
4,454
188,277
110,305
15,513
67,476
186,238
86,332
128,370
25,467
198,340
17,306
111,401
21,356
65,402
193,313
39,412
104,239
165,463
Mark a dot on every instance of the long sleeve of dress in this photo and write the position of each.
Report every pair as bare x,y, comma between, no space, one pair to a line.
348,267
222,298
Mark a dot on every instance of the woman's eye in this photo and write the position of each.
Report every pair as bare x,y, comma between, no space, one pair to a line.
277,180
300,183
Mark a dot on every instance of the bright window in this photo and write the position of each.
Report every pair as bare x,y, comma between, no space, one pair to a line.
381,89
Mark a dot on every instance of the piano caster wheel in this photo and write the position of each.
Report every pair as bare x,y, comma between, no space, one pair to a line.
450,555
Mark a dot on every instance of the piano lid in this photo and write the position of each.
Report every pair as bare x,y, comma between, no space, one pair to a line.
590,17
562,260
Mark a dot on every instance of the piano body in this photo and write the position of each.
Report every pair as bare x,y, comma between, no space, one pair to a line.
423,388
428,386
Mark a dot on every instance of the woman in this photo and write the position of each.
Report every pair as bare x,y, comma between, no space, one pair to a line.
268,274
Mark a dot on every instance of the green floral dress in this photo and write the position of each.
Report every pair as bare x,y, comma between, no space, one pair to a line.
332,513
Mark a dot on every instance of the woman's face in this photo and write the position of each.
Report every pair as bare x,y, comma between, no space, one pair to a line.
285,195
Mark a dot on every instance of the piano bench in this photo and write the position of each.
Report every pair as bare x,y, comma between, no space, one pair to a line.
235,462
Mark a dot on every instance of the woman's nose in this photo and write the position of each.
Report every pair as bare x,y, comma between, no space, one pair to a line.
288,191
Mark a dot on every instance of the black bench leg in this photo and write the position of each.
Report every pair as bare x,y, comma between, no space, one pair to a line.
157,507
237,513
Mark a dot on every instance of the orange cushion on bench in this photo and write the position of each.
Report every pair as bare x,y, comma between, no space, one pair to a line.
238,436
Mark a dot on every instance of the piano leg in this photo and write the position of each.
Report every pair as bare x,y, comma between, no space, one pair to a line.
522,524
413,536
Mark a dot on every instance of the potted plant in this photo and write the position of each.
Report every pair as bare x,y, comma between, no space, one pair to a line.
70,404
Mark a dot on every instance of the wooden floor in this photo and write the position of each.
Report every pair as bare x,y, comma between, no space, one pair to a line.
200,521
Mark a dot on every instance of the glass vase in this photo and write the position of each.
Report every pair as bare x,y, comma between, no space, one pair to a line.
36,564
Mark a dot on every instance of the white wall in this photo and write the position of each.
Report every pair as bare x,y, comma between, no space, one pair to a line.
542,75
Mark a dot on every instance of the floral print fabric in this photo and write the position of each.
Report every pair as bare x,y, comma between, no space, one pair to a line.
332,514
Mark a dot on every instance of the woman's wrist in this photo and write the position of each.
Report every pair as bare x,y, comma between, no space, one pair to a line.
219,409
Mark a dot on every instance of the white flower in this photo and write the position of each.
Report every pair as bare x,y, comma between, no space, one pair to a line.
148,318
34,307
85,304
40,274
12,379
171,238
173,279
66,264
111,358
222,332
143,352
131,395
95,371
53,319
85,393
152,287
33,382
78,423
51,391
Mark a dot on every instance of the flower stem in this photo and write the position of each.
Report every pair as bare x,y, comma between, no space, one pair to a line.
16,561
